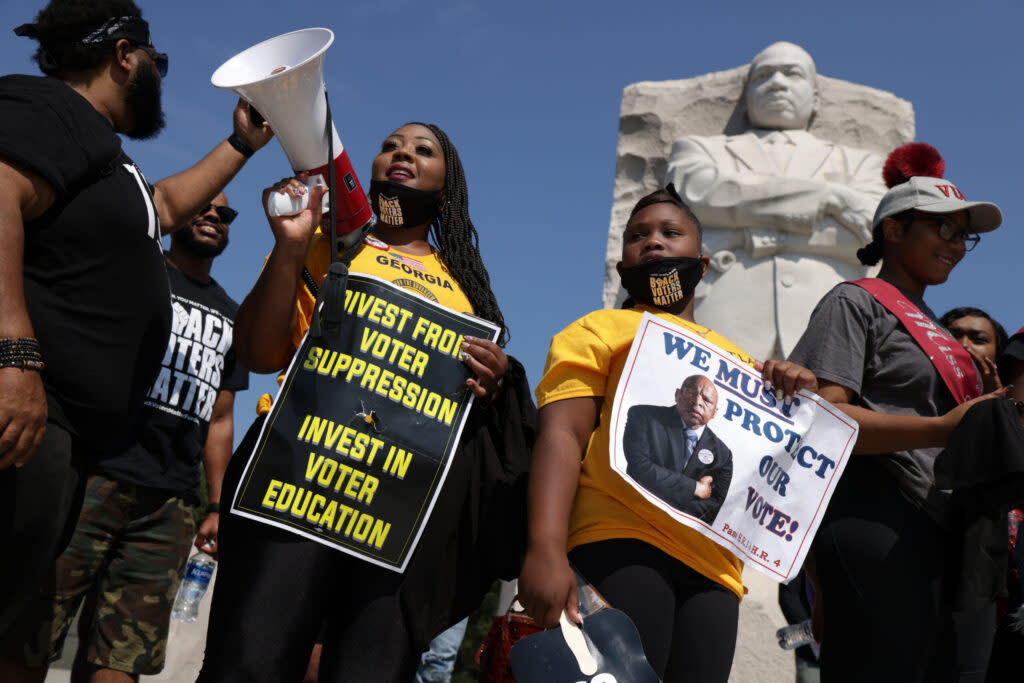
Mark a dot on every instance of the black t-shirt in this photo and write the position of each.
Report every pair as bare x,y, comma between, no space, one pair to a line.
199,362
95,283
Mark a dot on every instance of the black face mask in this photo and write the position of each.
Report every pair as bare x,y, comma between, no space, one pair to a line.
662,282
403,207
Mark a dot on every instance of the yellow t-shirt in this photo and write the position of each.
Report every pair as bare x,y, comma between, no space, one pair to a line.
586,359
422,275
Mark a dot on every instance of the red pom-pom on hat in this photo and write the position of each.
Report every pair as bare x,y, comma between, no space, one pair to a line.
912,159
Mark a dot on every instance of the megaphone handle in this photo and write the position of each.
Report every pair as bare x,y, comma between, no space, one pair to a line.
279,204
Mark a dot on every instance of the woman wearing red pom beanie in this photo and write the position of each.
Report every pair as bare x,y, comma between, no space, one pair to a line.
881,357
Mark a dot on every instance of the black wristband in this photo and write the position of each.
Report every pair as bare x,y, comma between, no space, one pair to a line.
212,507
245,150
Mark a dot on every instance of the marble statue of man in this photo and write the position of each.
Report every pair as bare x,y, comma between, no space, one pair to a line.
783,211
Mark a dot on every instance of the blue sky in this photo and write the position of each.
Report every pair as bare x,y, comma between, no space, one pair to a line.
530,93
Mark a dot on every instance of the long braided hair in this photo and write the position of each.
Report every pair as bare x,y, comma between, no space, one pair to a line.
457,241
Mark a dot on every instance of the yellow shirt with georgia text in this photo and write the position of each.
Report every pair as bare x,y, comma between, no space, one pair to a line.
423,275
586,360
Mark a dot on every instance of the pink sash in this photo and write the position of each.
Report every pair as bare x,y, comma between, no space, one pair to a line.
955,365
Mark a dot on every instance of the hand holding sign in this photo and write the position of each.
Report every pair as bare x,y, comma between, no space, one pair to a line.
789,378
547,586
766,453
487,361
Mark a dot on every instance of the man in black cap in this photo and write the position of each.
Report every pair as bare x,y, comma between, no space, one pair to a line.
84,303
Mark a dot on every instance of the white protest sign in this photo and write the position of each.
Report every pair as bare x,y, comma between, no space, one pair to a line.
694,431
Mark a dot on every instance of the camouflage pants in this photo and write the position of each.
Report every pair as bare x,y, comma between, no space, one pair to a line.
129,548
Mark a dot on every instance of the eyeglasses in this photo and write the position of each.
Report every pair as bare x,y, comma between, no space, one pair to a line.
159,59
225,214
950,231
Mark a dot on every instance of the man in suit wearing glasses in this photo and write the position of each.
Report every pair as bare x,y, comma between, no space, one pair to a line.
671,452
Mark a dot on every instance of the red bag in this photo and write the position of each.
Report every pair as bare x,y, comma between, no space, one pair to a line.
493,655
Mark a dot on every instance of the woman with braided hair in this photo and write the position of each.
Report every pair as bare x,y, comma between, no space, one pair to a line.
418,190
275,589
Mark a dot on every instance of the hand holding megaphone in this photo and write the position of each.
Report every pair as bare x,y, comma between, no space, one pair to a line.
283,79
290,204
295,228
253,130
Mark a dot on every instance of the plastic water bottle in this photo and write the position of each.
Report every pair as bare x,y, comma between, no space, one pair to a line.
193,586
793,636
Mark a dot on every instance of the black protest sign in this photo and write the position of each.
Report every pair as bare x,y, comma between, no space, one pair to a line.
358,443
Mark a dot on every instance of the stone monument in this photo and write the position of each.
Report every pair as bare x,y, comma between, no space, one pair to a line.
782,166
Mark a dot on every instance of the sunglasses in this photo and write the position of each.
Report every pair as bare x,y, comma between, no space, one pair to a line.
950,231
225,214
159,59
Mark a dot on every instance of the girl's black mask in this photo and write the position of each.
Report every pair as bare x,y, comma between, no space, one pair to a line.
403,207
662,282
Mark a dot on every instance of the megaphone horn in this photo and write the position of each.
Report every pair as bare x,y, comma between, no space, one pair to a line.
283,79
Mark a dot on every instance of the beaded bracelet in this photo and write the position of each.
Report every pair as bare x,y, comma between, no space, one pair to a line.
25,341
23,363
25,353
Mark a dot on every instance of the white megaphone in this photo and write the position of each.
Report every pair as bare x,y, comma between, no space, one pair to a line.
283,79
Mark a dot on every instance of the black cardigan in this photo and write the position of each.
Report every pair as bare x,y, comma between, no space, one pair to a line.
983,463
477,531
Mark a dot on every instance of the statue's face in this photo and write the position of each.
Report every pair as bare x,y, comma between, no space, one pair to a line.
780,91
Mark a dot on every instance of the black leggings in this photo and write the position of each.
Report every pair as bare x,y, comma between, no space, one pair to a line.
272,598
687,622
276,593
882,563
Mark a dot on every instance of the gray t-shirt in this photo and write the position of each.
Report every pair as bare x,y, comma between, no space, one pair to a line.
853,341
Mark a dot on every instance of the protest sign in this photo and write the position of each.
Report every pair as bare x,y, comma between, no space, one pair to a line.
695,432
363,430
605,648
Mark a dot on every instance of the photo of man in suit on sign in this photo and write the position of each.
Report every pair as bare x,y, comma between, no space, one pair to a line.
671,452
